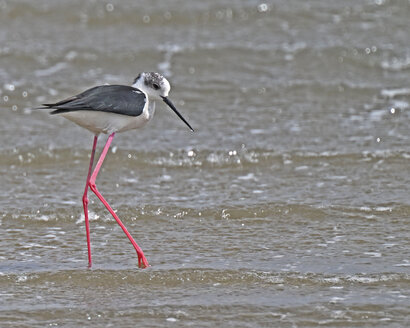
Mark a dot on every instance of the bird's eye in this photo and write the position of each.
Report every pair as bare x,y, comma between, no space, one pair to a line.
155,86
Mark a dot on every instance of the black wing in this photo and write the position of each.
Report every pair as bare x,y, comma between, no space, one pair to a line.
118,99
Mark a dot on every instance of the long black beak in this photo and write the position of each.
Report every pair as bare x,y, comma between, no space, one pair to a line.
170,104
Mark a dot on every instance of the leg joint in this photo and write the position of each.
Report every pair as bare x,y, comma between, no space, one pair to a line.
92,185
85,199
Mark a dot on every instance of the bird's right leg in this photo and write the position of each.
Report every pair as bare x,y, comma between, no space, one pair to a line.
85,201
142,261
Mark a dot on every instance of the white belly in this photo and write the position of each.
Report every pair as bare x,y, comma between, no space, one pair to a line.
105,122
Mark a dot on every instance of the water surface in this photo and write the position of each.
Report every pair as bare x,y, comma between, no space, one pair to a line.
288,207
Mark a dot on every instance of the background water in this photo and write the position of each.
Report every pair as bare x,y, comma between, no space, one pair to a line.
288,207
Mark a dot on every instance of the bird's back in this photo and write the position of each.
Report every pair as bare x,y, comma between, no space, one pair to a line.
116,99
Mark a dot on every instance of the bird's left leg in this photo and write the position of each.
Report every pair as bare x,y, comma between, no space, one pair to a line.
85,200
142,261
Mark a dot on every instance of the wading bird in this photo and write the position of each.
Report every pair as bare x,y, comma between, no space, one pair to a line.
110,109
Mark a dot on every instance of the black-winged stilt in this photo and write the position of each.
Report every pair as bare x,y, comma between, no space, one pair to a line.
110,109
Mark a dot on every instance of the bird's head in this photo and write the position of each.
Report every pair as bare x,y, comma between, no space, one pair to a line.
157,87
153,84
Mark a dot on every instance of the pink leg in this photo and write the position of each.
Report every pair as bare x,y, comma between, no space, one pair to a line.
85,201
142,261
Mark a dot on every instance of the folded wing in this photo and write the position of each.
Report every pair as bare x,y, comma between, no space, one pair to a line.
118,99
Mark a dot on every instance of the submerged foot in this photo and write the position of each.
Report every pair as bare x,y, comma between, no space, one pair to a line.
142,261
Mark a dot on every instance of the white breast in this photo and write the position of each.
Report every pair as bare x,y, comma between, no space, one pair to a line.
105,122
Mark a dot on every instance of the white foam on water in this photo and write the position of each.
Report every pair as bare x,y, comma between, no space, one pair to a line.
391,93
50,70
373,254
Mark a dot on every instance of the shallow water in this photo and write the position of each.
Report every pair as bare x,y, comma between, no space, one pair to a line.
288,207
